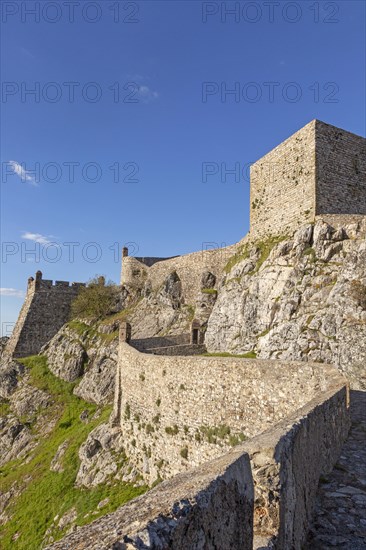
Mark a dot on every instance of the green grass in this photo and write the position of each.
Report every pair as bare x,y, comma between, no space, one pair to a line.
239,256
50,493
249,355
222,432
209,290
82,329
265,248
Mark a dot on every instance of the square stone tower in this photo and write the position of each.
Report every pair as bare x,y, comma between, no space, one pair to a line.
318,171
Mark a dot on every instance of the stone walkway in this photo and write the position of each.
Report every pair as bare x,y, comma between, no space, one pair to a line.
340,511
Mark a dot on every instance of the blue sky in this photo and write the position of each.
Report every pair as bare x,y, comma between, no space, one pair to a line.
138,96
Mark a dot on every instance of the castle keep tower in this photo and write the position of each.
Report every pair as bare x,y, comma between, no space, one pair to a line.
318,171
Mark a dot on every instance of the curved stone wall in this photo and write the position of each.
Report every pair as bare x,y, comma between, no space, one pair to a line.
212,506
189,268
178,412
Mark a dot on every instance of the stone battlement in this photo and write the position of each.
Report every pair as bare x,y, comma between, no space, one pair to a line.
46,308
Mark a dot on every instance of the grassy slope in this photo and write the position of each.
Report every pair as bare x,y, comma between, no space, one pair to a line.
50,493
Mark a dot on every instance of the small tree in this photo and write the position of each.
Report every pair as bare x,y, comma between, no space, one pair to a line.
96,300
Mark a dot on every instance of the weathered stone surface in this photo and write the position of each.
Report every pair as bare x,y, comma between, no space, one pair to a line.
97,384
46,308
299,304
211,507
28,400
56,462
15,439
66,355
173,406
318,170
101,456
9,372
71,355
339,519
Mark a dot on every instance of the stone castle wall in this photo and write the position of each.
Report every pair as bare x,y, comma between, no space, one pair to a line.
295,415
189,269
184,411
190,510
46,308
187,512
282,185
340,171
319,170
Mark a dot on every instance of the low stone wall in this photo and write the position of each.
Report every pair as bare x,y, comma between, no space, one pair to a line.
211,507
178,412
288,460
143,344
184,350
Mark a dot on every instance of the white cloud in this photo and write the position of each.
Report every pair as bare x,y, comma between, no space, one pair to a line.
20,171
146,94
36,237
11,292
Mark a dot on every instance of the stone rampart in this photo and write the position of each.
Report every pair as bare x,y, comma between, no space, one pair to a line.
211,507
184,411
143,344
288,460
46,308
189,269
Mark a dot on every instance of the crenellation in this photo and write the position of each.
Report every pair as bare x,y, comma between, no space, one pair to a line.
46,308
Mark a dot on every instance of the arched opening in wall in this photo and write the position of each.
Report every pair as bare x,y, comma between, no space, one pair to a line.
195,334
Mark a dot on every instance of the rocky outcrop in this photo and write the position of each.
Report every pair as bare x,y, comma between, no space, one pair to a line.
15,438
9,372
83,352
300,298
101,456
66,355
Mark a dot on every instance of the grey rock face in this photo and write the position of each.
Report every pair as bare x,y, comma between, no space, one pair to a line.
65,355
208,280
9,372
97,384
15,438
304,302
28,400
101,456
171,292
71,355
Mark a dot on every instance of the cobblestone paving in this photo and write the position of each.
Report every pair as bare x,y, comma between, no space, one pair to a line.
340,511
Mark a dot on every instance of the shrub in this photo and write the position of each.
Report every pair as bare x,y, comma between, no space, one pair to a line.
184,453
96,300
172,430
